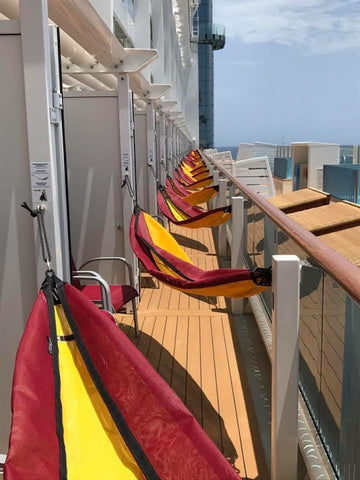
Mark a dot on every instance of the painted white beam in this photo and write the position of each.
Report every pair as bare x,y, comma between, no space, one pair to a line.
151,156
162,148
167,105
285,366
146,90
136,60
222,240
44,127
174,114
127,166
169,133
83,24
237,246
70,82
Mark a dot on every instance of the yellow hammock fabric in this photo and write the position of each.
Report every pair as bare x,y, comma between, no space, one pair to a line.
85,417
179,212
163,258
88,406
202,196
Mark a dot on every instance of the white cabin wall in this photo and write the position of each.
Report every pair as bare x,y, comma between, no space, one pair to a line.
191,95
168,68
142,12
158,67
18,284
105,10
123,16
93,157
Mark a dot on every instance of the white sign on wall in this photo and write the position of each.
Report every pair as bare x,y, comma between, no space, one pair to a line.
40,182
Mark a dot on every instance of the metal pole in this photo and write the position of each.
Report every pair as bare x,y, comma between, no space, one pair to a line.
169,148
216,176
44,128
285,367
127,166
237,246
222,240
162,145
151,156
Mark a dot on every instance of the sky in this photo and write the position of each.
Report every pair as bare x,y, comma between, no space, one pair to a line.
290,71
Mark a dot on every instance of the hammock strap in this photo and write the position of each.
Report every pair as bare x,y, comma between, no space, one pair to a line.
39,213
127,183
262,276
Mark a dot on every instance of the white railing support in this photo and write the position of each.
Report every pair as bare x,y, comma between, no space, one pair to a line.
237,246
169,128
151,156
222,240
127,167
285,366
162,148
45,130
216,176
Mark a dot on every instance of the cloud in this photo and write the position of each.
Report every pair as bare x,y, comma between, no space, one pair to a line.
320,26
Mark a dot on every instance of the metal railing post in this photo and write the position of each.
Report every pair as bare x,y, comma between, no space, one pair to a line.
285,366
222,240
162,145
216,175
237,246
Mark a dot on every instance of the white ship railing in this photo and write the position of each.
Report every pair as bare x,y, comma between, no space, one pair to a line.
339,279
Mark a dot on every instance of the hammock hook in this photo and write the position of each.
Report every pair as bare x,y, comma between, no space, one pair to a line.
127,183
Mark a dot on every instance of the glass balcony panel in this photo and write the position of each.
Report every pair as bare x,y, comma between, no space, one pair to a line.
348,464
336,305
329,339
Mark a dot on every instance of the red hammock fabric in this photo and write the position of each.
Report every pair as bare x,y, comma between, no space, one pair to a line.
175,184
190,184
149,243
189,215
167,434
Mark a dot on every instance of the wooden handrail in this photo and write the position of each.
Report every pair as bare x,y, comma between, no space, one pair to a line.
333,263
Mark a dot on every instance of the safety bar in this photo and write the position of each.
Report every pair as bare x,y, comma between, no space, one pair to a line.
131,277
118,259
104,286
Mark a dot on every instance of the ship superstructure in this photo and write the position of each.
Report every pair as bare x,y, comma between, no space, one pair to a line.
99,106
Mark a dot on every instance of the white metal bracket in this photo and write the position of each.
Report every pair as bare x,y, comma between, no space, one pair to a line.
136,60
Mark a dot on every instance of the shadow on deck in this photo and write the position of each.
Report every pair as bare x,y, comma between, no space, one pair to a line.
192,344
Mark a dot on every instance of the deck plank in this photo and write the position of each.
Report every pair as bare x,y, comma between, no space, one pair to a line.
188,340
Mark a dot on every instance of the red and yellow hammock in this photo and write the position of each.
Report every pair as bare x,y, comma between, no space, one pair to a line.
193,185
163,258
181,213
195,198
87,405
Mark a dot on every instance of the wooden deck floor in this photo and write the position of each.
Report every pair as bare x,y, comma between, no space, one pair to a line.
189,341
